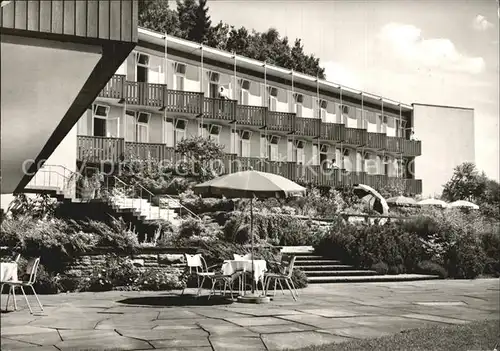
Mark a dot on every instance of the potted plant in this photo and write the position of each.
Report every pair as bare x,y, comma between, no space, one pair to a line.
87,189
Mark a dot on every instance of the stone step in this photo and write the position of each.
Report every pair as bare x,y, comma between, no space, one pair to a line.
370,278
353,272
317,262
298,250
306,257
322,268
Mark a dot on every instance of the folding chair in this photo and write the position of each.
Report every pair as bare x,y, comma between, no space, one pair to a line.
31,271
285,275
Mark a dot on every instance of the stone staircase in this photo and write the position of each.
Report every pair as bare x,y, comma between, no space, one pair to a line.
321,270
60,183
144,210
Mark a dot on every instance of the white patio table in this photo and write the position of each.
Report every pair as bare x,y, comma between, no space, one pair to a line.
230,267
8,271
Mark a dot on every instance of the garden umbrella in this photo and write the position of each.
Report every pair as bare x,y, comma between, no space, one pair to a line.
463,203
432,202
401,201
250,184
374,199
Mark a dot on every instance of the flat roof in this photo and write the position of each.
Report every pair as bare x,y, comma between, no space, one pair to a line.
444,106
260,66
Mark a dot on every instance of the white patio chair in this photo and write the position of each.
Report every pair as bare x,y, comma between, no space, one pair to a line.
284,275
31,271
196,264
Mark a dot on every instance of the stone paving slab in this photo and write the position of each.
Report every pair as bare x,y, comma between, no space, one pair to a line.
323,314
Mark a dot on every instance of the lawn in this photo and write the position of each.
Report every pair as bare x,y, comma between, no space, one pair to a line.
476,336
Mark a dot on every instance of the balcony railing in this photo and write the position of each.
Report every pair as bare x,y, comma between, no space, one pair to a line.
376,140
394,144
308,126
99,149
411,147
251,115
332,131
219,109
355,136
145,151
158,96
115,88
280,121
183,101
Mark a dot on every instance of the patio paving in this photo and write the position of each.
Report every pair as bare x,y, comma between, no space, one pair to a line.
324,314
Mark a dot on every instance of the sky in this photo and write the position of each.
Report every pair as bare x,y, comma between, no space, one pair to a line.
443,52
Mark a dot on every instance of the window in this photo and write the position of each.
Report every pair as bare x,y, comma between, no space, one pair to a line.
315,154
272,102
322,107
299,99
273,142
272,99
215,132
103,125
180,129
213,87
100,111
130,121
400,128
179,77
169,133
142,63
300,156
345,109
245,137
142,127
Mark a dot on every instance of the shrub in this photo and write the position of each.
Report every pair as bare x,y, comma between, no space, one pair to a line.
491,246
432,268
158,279
466,259
299,279
203,229
46,282
380,268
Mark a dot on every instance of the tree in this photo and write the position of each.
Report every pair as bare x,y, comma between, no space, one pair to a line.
217,37
465,184
191,21
156,15
194,20
201,157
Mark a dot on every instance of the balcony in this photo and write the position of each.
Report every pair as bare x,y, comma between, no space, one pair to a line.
183,102
158,96
332,131
99,149
355,136
404,146
251,115
219,109
280,121
411,147
308,126
115,88
376,141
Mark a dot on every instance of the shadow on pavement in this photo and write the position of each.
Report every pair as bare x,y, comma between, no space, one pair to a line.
185,300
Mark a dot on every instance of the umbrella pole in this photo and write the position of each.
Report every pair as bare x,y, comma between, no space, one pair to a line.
251,235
